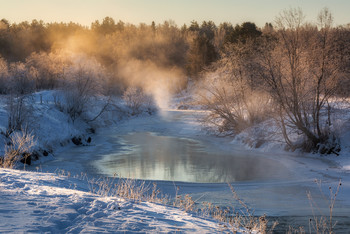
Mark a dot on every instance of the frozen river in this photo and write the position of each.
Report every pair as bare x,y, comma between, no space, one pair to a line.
171,149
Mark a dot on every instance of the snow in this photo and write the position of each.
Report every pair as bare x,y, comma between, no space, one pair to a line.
275,198
45,202
33,201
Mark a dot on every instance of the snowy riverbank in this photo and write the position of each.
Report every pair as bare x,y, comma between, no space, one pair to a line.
46,202
33,201
83,211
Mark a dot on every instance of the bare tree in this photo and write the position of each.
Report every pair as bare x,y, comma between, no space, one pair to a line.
301,71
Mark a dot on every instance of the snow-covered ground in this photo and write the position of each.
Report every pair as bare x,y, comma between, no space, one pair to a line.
285,198
45,202
48,202
33,201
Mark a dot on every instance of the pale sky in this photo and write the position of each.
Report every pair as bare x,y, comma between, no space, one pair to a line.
181,11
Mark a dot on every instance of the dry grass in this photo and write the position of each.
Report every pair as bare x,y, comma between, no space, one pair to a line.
323,224
241,218
20,147
140,191
229,218
132,189
299,230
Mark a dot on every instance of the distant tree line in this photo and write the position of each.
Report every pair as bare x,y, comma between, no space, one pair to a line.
191,48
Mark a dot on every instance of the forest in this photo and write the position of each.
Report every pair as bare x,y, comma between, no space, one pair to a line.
291,72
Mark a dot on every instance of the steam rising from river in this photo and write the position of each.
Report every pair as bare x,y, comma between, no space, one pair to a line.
157,81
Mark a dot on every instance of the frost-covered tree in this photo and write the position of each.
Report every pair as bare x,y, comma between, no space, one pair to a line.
4,76
301,69
47,69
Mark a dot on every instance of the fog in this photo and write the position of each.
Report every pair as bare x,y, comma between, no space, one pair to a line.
130,57
157,81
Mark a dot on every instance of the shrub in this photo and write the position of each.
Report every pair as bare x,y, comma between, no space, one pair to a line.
20,148
19,111
83,82
138,101
19,87
232,104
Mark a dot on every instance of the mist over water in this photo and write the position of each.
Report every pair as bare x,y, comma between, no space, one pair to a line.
133,65
156,81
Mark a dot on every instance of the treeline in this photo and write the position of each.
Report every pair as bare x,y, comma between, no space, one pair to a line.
289,71
188,48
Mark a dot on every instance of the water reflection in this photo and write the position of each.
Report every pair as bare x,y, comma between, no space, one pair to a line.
148,156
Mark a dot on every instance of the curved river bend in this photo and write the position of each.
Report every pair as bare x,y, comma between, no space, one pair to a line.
148,156
170,148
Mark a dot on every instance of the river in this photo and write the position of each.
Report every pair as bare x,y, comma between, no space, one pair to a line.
171,149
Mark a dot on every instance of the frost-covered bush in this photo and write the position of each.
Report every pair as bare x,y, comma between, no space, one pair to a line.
20,81
138,101
233,104
19,148
19,111
20,88
83,82
4,79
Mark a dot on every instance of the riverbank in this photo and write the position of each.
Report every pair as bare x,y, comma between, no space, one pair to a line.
45,202
46,199
284,198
